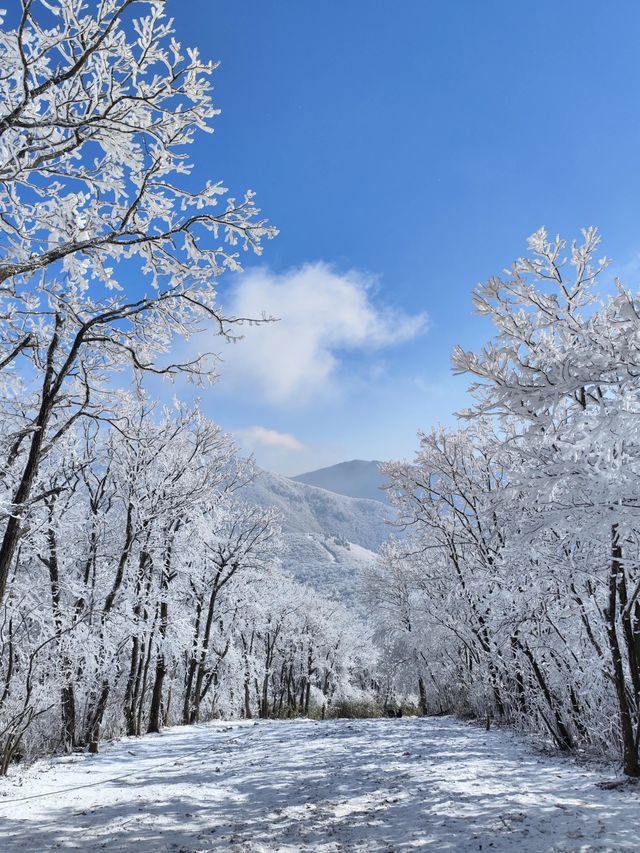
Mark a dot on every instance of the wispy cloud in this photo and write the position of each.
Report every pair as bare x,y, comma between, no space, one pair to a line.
323,316
258,436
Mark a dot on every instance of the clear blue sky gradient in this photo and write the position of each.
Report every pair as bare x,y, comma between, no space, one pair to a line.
423,142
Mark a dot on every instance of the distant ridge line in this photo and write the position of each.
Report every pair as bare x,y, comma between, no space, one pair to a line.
357,478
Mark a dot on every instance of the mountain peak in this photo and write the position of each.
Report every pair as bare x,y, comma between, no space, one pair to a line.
357,478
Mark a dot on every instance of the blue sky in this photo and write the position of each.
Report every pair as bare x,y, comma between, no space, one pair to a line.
405,150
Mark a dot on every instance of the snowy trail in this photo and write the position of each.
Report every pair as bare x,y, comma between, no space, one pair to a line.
367,785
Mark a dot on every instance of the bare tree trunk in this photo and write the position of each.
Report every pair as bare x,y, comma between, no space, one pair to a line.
422,693
12,530
192,666
137,645
201,669
247,678
560,732
155,711
67,694
145,678
96,717
630,762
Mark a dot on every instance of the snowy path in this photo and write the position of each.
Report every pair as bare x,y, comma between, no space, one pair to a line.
370,785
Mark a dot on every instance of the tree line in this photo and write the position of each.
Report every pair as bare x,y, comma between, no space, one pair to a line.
148,592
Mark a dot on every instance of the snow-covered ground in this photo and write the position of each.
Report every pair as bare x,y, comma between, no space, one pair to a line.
379,785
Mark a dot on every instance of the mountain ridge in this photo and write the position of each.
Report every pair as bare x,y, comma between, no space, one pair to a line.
356,478
330,537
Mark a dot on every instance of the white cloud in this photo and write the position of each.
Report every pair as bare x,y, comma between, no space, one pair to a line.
322,315
257,436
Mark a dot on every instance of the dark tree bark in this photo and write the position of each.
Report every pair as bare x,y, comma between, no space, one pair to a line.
155,711
422,693
630,761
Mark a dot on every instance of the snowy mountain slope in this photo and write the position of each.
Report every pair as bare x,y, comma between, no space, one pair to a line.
329,537
356,479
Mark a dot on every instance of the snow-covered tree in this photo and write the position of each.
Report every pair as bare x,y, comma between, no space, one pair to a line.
524,535
108,249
